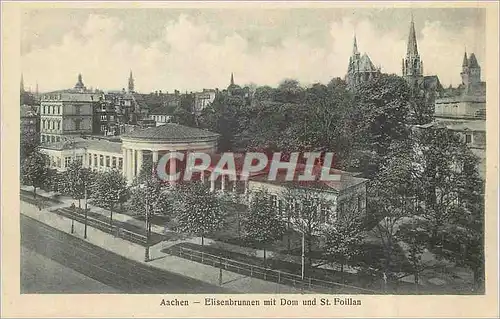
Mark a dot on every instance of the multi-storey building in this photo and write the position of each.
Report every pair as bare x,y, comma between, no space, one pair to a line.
66,114
203,99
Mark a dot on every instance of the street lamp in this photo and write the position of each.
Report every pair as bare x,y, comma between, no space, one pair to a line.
147,224
85,227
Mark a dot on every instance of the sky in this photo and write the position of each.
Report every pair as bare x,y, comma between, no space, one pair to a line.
190,49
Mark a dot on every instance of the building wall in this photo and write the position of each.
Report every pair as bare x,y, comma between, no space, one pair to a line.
459,107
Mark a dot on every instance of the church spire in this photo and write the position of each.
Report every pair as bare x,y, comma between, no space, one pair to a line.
22,83
232,78
465,62
355,46
412,48
131,82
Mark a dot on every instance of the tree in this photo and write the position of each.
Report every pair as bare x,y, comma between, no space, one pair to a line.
108,189
29,143
198,211
415,236
34,170
152,195
343,239
262,223
308,211
392,197
76,180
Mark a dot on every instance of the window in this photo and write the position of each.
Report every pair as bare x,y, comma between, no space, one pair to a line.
58,110
58,125
77,124
44,111
90,160
113,164
67,161
52,125
43,138
101,160
103,117
468,138
95,160
360,203
58,162
53,138
107,161
120,163
58,138
77,109
111,117
103,128
79,159
53,109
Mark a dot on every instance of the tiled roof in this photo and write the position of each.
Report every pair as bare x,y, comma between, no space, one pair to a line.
163,110
170,131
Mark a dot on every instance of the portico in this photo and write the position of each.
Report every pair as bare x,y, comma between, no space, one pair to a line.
152,143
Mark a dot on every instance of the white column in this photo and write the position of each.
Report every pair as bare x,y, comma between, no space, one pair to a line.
129,165
155,156
234,185
202,177
172,168
223,183
139,161
246,187
134,166
212,185
124,162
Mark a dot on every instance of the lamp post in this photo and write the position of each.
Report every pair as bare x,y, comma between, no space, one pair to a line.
303,255
85,225
147,227
73,218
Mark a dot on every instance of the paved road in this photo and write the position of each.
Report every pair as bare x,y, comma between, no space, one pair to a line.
104,266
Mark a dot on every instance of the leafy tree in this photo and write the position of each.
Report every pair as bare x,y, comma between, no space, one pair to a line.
262,223
152,195
34,170
198,211
264,93
29,143
343,239
392,198
307,209
109,189
379,117
76,180
184,113
448,168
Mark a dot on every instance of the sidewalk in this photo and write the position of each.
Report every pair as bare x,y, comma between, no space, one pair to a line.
231,281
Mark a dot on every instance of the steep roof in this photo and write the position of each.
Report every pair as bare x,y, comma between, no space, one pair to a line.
412,48
366,65
465,61
170,131
473,61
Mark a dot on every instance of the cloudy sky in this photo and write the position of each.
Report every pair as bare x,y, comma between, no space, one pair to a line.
191,49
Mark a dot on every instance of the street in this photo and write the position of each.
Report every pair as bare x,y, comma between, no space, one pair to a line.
110,269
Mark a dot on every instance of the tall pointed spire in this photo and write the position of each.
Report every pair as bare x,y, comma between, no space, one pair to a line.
355,46
131,82
465,62
232,78
412,48
22,83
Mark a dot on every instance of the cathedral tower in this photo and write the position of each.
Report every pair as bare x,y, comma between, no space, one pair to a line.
471,71
412,67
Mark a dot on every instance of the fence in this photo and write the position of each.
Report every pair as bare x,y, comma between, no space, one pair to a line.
278,276
79,216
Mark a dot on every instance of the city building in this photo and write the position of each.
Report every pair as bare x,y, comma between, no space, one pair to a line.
162,115
360,68
463,109
67,113
203,99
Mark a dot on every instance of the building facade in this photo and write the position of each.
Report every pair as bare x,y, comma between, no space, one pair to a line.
66,114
